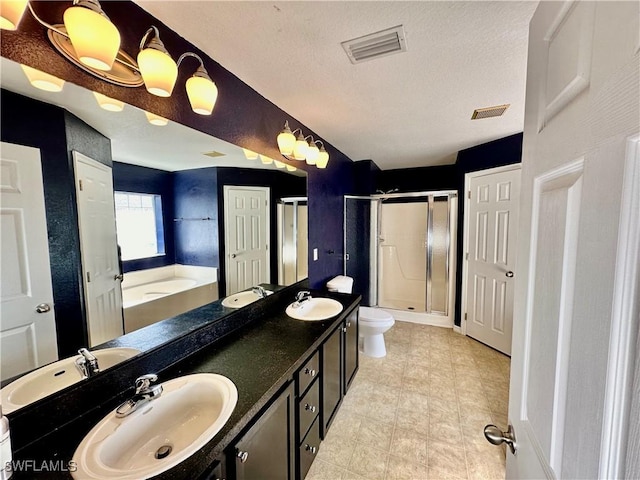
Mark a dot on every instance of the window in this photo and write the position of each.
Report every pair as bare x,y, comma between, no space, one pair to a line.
139,225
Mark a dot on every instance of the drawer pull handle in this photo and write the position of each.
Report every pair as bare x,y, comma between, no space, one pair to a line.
311,449
310,371
242,456
310,408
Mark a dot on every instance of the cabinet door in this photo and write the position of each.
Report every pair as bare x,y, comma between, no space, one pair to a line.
331,377
350,349
266,450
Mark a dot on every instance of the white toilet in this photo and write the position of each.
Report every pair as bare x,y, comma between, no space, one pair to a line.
373,322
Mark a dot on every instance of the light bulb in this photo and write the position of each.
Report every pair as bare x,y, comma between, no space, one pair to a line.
250,154
107,103
43,80
202,92
291,168
156,119
158,71
11,12
266,160
286,140
279,164
300,148
323,158
312,154
95,39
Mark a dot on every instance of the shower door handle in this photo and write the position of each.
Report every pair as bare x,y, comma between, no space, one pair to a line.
509,274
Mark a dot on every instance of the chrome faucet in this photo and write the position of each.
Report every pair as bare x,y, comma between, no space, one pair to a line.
145,392
87,363
260,291
301,297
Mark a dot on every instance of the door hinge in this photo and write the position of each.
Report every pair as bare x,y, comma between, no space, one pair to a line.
465,315
80,184
346,256
88,277
469,194
466,256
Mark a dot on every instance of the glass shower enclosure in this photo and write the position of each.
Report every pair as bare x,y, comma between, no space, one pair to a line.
292,240
400,250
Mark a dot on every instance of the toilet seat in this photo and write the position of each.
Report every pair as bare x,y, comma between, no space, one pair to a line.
375,315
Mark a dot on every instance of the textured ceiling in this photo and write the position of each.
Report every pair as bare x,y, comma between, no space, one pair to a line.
406,110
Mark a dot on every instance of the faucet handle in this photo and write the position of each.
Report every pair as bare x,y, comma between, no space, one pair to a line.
303,294
144,382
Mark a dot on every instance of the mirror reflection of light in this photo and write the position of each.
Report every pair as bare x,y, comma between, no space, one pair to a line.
42,80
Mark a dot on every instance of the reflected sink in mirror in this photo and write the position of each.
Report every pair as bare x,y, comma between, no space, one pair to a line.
242,299
161,433
56,376
315,309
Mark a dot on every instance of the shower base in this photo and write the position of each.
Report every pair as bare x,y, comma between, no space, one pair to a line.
422,318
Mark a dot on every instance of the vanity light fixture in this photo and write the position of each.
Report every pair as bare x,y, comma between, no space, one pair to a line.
42,80
279,164
107,103
266,160
297,148
290,168
156,119
250,154
92,42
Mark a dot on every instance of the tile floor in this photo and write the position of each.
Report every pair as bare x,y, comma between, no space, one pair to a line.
419,412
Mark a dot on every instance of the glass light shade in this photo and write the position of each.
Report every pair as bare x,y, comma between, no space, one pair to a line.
250,154
279,164
42,80
300,148
266,160
95,39
11,12
108,103
323,159
156,119
291,168
286,142
158,71
202,93
312,154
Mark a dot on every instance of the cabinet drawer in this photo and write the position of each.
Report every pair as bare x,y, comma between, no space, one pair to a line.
309,408
309,448
308,373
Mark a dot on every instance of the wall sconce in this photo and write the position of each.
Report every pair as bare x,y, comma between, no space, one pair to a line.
154,119
42,80
298,148
107,103
89,40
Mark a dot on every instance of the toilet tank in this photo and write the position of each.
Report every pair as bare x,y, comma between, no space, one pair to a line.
341,284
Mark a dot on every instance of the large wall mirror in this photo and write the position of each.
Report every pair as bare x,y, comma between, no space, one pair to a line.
181,200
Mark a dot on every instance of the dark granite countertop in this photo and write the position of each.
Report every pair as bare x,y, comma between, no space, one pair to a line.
260,358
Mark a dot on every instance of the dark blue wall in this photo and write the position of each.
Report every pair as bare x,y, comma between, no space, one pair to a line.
132,178
196,212
56,133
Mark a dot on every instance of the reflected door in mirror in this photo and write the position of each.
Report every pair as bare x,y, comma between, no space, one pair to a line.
28,331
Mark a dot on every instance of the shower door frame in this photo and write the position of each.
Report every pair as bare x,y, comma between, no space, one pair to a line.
374,285
295,202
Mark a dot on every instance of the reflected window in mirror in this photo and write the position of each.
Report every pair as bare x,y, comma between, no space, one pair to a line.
139,225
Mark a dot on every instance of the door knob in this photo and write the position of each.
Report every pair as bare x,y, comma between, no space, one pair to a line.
496,436
242,456
118,277
43,308
509,274
233,255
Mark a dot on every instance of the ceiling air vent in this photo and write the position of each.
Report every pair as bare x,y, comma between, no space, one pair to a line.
489,112
214,154
376,45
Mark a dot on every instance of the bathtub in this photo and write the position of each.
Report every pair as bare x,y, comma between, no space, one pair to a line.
152,295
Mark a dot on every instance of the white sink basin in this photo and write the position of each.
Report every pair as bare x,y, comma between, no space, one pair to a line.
242,299
315,309
190,411
56,376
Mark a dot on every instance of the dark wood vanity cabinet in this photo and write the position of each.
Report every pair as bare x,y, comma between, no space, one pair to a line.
265,451
339,366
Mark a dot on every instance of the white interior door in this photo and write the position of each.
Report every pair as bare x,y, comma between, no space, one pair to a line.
492,212
98,244
246,214
27,324
569,372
